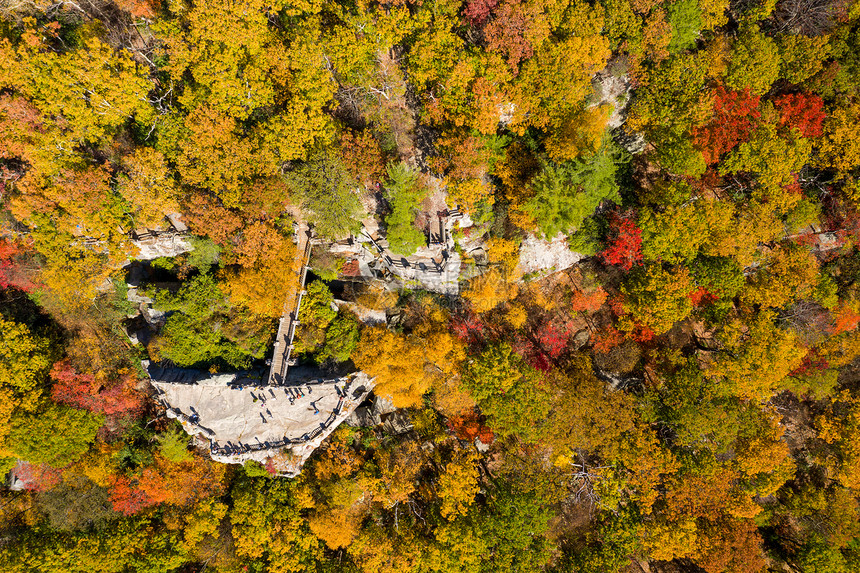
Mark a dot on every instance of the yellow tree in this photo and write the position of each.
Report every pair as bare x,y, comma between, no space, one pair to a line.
308,90
215,155
201,531
789,273
802,56
775,160
266,525
489,290
640,464
73,276
753,223
458,485
839,427
338,494
335,526
269,278
499,283
677,232
91,90
731,544
580,132
754,61
377,549
397,363
671,540
99,465
553,82
756,356
148,186
396,471
587,417
656,298
841,349
230,71
840,148
713,13
444,356
406,366
764,458
24,364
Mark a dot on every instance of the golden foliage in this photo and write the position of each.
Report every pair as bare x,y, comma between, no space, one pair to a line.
788,274
203,521
672,540
656,299
406,366
839,148
757,355
99,465
269,276
713,13
516,315
840,427
506,254
765,456
396,362
647,463
398,468
841,349
581,132
149,187
215,156
489,290
740,237
458,485
337,527
558,77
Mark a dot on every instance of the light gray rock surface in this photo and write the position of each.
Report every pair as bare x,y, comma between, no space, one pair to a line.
538,255
243,420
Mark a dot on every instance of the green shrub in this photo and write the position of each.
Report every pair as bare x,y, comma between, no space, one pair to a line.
174,445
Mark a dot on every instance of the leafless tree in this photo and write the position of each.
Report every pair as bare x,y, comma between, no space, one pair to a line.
122,31
808,318
808,17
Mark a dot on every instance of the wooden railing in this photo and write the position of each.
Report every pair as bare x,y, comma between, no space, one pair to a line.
289,321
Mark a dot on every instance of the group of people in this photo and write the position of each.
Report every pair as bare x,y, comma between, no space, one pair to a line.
292,393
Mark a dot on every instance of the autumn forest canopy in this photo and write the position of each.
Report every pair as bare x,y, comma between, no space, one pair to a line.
650,358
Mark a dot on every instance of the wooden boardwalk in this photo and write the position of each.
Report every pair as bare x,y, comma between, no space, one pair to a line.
290,319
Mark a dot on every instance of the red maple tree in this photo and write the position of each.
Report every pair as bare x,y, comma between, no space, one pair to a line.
843,319
624,242
812,362
476,12
735,116
642,333
270,467
803,112
468,328
180,483
38,477
14,270
469,426
606,339
551,339
701,296
84,391
126,497
588,301
794,186
539,361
